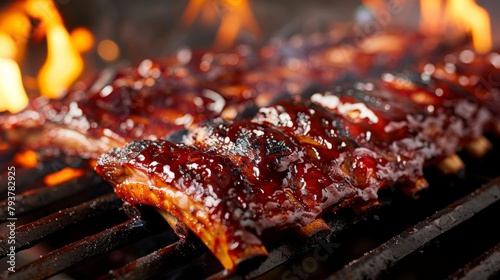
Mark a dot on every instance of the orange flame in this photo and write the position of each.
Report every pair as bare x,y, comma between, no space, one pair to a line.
431,22
474,19
463,14
196,8
26,159
374,5
63,65
62,176
11,82
236,15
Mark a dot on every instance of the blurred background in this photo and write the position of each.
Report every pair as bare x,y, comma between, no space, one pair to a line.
152,28
124,32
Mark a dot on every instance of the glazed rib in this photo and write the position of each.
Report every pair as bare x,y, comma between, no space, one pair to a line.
301,157
202,190
157,99
223,203
150,101
308,154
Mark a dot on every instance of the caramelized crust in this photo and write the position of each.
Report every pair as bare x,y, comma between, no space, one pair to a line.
158,99
228,202
202,190
297,159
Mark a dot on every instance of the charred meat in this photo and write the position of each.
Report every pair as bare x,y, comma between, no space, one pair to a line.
157,99
298,159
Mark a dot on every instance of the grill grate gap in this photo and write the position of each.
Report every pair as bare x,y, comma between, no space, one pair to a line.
451,250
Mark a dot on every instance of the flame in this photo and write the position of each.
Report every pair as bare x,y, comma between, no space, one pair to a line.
62,176
474,19
197,7
236,15
462,14
431,22
374,5
11,82
26,159
63,64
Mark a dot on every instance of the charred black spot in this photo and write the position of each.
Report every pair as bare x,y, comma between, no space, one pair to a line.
274,147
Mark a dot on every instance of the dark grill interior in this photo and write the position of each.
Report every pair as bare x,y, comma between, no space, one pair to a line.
80,229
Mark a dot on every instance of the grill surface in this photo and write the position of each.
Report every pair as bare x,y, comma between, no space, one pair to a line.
81,229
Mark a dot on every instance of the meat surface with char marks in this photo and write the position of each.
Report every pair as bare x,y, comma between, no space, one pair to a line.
298,159
157,99
150,101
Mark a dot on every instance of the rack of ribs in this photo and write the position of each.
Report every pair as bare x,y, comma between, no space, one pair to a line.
295,160
239,145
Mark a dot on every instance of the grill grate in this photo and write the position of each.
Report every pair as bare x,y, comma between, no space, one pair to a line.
31,233
35,199
483,267
378,260
165,259
43,217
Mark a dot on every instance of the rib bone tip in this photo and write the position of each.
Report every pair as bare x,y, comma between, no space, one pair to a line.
478,147
451,165
314,227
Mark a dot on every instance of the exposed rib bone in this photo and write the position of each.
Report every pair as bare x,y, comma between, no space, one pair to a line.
314,227
479,147
451,165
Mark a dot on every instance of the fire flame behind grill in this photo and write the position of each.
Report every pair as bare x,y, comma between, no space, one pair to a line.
437,16
63,64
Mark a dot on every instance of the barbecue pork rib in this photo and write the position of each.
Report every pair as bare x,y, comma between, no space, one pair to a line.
150,101
235,179
297,159
202,190
222,203
157,99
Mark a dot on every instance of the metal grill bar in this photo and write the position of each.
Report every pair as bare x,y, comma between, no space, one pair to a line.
29,234
160,261
34,199
88,248
484,267
381,258
291,247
